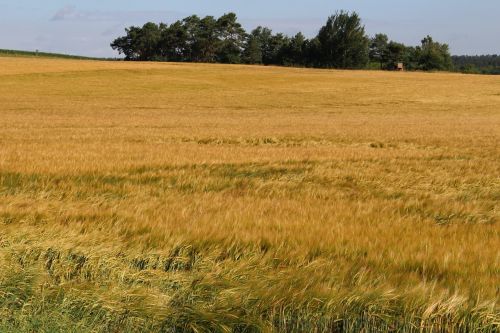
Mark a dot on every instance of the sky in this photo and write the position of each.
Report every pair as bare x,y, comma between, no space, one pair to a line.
88,27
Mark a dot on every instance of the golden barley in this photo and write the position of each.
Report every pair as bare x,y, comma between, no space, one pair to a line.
212,198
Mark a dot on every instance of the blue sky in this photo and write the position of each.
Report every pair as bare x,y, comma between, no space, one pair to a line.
87,27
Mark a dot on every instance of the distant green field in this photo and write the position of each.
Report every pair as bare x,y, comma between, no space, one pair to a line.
18,53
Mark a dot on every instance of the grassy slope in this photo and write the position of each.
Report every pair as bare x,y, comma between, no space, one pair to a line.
18,53
190,198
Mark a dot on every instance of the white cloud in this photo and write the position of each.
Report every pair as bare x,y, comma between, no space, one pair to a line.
71,13
65,13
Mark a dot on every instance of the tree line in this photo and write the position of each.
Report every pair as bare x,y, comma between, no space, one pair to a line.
479,64
341,43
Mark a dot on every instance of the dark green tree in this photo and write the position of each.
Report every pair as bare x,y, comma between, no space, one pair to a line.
378,49
202,38
434,56
127,45
344,43
191,27
274,49
252,53
411,57
139,43
263,37
271,47
149,39
293,53
312,53
174,42
395,53
232,39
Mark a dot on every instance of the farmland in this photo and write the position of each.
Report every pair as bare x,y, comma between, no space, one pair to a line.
215,198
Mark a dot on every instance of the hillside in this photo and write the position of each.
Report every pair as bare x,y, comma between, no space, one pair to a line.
213,198
18,53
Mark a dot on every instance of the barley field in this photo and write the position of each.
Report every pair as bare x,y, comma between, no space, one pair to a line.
161,197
